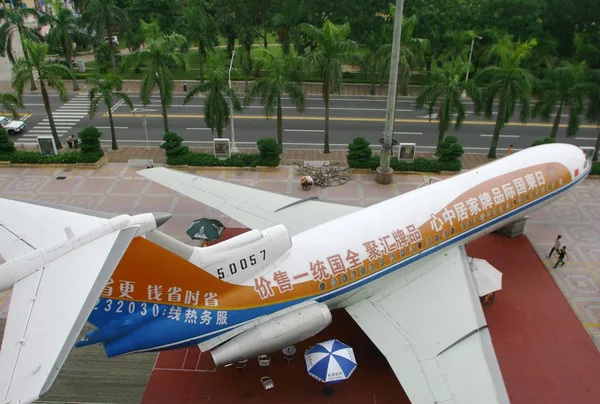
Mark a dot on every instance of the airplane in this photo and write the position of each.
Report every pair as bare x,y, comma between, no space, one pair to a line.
398,267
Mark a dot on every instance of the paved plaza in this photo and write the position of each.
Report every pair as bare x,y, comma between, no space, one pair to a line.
118,189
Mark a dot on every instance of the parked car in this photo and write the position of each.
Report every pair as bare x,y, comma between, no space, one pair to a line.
12,127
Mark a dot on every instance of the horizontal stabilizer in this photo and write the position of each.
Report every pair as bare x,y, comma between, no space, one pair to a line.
26,226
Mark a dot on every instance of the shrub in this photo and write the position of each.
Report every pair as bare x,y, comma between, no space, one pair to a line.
32,157
595,168
359,153
269,152
208,160
173,146
420,164
543,141
449,151
6,145
90,142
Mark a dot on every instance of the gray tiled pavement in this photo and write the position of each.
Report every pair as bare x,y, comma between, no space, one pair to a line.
117,188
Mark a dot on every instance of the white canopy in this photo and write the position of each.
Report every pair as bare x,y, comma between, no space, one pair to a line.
487,278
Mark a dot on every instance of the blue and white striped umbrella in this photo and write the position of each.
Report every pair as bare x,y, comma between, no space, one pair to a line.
330,361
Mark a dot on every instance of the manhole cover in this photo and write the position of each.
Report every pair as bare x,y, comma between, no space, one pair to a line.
60,178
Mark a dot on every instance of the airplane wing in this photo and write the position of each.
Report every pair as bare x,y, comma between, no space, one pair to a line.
254,208
433,333
41,327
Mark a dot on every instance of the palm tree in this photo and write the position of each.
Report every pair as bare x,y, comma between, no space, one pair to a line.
412,51
592,112
64,27
160,55
10,102
14,22
103,16
201,29
216,107
333,49
565,85
279,76
286,22
105,91
50,74
443,94
508,83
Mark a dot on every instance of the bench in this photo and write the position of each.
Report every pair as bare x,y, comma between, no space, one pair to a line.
148,163
316,163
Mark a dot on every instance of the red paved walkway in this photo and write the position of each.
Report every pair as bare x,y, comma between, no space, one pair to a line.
545,355
186,376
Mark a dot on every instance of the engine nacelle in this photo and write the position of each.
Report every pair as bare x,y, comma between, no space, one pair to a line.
274,334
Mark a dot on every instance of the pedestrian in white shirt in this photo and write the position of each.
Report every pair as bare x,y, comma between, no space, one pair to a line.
556,246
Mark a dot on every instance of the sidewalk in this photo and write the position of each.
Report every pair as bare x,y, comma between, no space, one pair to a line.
287,157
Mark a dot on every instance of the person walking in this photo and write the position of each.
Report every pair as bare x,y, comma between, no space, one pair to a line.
562,254
510,149
556,246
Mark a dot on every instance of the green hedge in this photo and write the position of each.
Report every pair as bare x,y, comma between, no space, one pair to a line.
32,157
208,160
420,164
595,168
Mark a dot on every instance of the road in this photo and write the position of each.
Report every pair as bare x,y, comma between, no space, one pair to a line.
350,116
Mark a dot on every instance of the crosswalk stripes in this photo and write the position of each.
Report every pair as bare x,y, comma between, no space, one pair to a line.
65,118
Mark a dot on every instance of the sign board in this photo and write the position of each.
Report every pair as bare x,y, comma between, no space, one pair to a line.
47,146
221,148
589,153
406,152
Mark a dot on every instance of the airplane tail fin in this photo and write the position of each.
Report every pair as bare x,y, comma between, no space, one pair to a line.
57,263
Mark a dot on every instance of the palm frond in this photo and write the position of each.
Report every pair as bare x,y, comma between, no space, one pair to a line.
126,100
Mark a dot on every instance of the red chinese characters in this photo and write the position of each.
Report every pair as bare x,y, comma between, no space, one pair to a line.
414,235
283,281
319,271
372,250
263,287
336,264
353,259
400,238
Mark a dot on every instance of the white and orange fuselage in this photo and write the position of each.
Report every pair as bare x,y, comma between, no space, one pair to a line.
157,300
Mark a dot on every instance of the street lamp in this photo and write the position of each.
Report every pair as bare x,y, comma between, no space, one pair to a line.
384,173
470,55
145,124
234,149
464,93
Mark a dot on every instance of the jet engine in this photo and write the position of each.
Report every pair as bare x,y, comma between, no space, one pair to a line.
274,334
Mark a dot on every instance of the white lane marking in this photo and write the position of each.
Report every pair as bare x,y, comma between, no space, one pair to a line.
304,130
117,105
408,133
586,138
66,114
512,136
60,119
198,129
116,127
